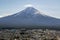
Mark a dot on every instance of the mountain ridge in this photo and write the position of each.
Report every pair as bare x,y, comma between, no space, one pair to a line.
29,17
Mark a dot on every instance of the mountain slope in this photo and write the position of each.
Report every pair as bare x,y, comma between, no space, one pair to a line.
27,18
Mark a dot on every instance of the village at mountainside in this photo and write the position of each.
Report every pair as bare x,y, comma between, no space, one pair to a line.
33,34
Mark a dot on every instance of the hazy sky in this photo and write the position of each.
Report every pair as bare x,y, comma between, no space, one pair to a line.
48,7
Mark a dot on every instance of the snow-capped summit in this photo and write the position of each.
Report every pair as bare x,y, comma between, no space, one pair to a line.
28,12
29,17
30,8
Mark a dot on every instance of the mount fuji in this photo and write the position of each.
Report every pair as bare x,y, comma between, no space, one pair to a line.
29,18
